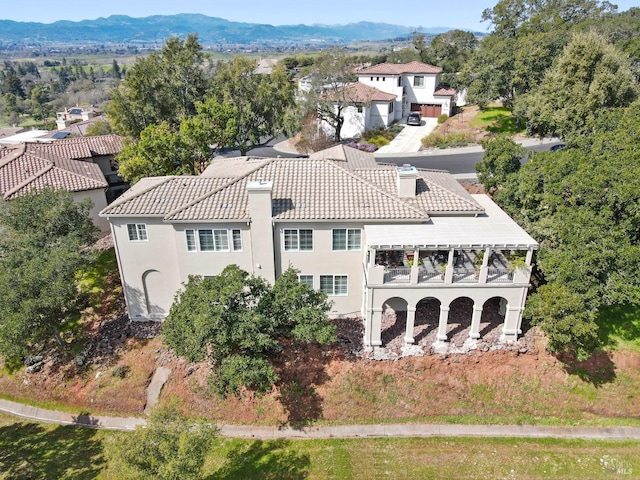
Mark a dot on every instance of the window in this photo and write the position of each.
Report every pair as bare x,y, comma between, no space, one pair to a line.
206,240
372,79
377,79
216,240
137,232
390,107
308,279
334,284
221,240
418,81
191,240
359,108
347,239
298,240
399,81
384,78
236,236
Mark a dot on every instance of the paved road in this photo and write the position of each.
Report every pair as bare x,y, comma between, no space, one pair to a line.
458,161
337,431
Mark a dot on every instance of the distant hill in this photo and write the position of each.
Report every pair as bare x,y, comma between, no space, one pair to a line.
211,30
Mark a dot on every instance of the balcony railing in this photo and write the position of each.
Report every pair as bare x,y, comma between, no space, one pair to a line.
465,275
430,275
397,275
499,275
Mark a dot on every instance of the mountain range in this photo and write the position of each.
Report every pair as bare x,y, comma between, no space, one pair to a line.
211,30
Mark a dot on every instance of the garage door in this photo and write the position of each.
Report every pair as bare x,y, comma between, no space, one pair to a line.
431,111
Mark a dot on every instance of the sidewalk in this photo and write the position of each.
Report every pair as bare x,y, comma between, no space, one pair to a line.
338,431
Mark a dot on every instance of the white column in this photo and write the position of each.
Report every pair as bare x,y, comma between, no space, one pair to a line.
442,324
411,320
484,269
448,276
375,334
512,320
475,321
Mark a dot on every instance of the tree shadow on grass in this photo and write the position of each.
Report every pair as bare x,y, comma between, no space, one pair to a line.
619,324
31,451
598,369
264,459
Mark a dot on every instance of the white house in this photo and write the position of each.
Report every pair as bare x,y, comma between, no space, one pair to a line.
374,237
393,91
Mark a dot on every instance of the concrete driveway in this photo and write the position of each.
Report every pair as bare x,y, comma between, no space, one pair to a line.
408,140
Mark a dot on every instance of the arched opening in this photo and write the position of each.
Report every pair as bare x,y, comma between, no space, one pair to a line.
394,322
154,293
459,320
427,318
493,313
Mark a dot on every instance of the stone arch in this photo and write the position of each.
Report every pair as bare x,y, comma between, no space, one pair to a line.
155,294
459,320
427,318
493,316
394,319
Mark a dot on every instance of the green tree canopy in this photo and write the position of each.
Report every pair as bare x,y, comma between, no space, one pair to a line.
580,204
501,157
41,235
589,77
238,322
162,87
261,103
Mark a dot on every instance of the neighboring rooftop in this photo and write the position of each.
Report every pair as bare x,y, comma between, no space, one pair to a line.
400,68
22,171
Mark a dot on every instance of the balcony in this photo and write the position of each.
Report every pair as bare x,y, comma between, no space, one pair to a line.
396,267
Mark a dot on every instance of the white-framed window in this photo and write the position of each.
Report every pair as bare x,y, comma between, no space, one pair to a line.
335,285
236,239
391,107
213,240
347,239
418,81
399,81
137,232
308,279
190,236
298,239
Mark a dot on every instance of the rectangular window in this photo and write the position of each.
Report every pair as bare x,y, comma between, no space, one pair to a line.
383,78
191,240
335,285
137,232
308,279
236,235
390,107
347,239
221,240
206,240
372,79
298,240
399,81
418,81
359,108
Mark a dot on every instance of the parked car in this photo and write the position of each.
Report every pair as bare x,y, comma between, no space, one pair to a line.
414,118
560,146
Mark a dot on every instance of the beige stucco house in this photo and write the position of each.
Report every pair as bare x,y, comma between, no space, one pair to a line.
374,237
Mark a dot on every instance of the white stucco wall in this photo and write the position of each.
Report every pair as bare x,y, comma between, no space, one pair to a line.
99,200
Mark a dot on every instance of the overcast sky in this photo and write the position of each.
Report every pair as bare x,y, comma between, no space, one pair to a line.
464,14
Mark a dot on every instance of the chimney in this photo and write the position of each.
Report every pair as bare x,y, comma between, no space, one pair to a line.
407,176
261,229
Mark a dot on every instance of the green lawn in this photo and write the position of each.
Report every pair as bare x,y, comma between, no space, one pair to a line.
496,119
33,450
620,327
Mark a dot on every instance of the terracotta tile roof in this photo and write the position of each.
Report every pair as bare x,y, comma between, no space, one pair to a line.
22,173
336,184
445,91
78,147
358,92
400,68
